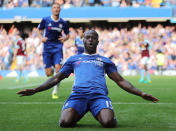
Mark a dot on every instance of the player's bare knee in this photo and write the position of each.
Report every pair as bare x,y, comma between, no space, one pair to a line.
65,123
109,123
49,73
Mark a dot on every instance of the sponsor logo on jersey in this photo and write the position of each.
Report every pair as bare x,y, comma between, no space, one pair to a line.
98,63
60,25
49,24
56,28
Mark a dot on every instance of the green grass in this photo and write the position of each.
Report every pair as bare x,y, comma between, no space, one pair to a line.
41,113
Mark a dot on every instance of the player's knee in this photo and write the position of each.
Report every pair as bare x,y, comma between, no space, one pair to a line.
65,123
49,73
109,123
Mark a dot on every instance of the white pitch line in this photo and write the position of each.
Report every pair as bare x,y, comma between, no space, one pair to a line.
50,103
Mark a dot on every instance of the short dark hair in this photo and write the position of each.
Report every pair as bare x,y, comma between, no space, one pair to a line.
54,3
91,31
24,35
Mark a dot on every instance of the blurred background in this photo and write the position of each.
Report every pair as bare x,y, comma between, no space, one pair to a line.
122,25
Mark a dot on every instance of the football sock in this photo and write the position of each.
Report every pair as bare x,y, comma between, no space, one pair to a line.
148,75
25,75
55,89
142,74
18,74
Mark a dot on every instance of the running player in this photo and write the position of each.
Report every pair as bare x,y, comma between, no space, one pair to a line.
53,40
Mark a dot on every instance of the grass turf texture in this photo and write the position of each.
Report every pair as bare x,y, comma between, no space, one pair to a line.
40,113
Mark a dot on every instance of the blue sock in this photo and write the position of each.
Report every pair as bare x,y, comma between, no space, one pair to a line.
25,74
18,74
142,74
148,75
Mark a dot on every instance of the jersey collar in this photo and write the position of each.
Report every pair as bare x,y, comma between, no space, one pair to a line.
90,54
54,19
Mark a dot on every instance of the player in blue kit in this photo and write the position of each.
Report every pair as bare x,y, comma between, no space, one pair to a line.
79,41
89,92
52,27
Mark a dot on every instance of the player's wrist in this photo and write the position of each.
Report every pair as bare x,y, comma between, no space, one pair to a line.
143,94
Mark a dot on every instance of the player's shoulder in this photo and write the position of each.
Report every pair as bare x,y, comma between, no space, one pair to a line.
63,21
105,59
73,57
47,18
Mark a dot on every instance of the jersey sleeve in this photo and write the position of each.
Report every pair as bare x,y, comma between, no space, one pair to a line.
41,26
67,68
110,67
66,28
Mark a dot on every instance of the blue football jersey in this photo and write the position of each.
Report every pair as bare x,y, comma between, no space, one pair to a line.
79,44
89,72
53,30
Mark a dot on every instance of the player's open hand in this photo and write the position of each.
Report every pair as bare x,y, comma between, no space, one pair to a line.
27,92
44,39
149,97
62,39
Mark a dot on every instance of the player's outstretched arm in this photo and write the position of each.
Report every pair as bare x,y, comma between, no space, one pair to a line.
45,86
127,86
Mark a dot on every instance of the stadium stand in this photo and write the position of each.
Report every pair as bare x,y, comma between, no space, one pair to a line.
120,30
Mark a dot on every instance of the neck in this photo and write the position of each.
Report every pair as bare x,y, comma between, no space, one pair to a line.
55,17
90,52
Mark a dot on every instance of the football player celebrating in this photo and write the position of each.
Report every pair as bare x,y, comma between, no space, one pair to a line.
89,92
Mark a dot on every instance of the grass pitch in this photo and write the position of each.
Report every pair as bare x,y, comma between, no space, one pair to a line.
40,113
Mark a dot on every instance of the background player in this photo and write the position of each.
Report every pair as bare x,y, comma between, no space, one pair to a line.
145,60
53,40
79,41
20,56
89,91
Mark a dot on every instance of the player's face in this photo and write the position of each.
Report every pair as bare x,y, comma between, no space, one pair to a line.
56,9
90,41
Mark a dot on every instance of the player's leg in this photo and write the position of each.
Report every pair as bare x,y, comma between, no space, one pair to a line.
73,110
107,118
47,60
23,66
102,110
57,60
19,68
142,72
55,88
69,118
147,65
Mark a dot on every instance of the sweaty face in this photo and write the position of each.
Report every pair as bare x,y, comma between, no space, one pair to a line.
55,9
90,42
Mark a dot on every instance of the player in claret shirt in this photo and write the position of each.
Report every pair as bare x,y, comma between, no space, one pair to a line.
145,61
89,92
53,39
20,56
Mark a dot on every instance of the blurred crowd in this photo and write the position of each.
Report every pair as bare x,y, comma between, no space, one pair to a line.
80,3
120,45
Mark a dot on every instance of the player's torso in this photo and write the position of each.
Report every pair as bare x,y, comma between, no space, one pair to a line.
21,45
89,64
53,29
89,73
144,50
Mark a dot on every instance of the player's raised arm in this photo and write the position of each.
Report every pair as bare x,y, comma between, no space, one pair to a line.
127,86
45,86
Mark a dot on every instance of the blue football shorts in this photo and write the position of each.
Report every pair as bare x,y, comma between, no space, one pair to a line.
52,58
83,103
